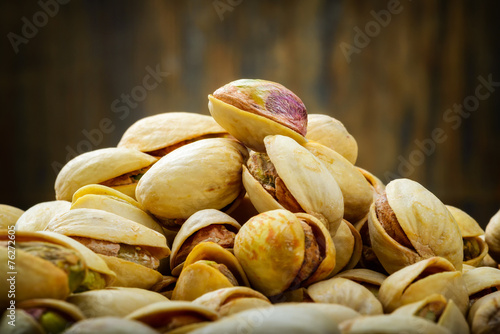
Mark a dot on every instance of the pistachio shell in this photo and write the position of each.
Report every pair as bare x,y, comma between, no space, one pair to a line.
166,129
377,185
270,248
363,276
356,191
336,312
484,315
421,279
38,216
113,301
194,223
163,314
205,174
451,317
130,274
24,323
227,301
482,278
387,324
349,241
9,215
426,222
330,132
345,292
67,310
492,236
99,189
468,226
96,167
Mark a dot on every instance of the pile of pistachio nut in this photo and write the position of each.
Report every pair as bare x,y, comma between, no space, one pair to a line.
254,219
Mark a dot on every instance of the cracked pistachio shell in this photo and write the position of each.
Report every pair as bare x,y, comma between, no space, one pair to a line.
250,110
349,241
98,166
391,323
484,315
163,130
345,292
67,310
370,279
307,179
492,236
426,222
109,325
356,191
193,224
378,187
481,279
451,317
117,206
205,174
199,277
330,132
280,318
9,215
113,301
25,323
227,301
170,314
38,216
270,248
424,278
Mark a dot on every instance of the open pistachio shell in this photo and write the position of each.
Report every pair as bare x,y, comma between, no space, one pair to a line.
99,166
130,274
307,179
9,215
201,273
281,318
345,292
349,241
271,250
484,315
205,174
117,206
330,132
38,216
69,312
165,130
227,301
438,309
113,301
24,323
252,109
168,316
336,312
356,191
370,279
109,325
377,185
480,281
492,236
193,224
424,278
468,225
99,189
425,221
391,323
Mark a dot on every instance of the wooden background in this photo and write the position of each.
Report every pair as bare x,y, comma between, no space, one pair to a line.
394,92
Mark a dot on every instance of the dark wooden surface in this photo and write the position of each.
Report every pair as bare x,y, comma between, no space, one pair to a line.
392,94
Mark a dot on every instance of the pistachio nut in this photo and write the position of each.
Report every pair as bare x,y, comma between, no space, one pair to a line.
422,279
131,250
204,225
9,215
113,301
345,292
484,315
282,251
162,133
38,216
208,267
205,174
290,177
227,301
330,132
119,168
492,236
356,191
252,109
172,315
481,281
409,223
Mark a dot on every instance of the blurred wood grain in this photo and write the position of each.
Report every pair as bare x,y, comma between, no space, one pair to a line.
391,95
